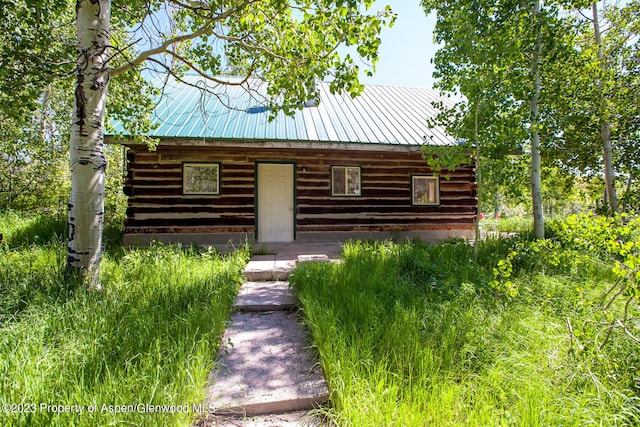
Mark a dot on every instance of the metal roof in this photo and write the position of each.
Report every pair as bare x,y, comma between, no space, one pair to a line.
380,115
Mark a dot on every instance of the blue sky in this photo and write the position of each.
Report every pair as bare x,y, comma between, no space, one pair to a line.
407,47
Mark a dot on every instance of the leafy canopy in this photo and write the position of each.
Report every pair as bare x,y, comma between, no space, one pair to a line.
288,44
36,47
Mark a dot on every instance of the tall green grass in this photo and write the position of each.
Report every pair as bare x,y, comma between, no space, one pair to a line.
513,224
413,334
149,338
23,229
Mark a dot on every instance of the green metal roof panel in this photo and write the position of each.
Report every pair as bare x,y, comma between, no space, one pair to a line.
380,115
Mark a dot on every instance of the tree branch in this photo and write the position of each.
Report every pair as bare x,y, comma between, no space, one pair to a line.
242,43
615,296
205,88
143,56
206,76
627,331
196,5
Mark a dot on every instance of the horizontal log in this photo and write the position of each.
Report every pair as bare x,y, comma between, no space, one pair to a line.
177,191
457,186
238,170
153,183
189,210
322,187
359,201
365,192
381,191
381,172
312,158
228,183
346,228
231,217
162,201
388,228
369,180
156,166
200,229
381,218
242,196
355,211
228,221
388,206
149,167
244,150
402,199
156,174
363,226
177,180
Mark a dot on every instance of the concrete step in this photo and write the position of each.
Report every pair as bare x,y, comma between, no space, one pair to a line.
277,267
290,419
265,367
268,268
265,296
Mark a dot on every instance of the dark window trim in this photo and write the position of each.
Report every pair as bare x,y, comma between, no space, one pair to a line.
334,194
413,190
218,165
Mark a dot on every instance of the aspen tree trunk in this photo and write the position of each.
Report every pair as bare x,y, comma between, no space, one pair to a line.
605,130
88,162
536,161
627,190
476,138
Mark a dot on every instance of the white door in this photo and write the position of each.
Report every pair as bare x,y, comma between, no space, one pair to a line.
275,202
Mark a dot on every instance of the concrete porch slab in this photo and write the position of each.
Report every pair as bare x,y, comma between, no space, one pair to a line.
265,367
265,296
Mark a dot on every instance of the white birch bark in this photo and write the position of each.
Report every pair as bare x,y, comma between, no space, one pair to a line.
476,140
88,162
605,130
536,161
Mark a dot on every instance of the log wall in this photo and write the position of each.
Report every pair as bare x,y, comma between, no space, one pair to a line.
157,205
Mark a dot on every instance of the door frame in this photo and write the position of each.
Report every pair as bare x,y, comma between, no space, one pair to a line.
257,189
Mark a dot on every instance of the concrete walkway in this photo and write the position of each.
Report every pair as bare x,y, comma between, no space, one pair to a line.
267,375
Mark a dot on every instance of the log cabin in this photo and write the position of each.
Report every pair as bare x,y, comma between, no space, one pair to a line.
342,168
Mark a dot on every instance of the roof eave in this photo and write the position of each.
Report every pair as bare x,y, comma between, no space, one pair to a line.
279,144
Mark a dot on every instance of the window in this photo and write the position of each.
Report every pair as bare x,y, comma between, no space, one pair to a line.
345,181
425,190
201,178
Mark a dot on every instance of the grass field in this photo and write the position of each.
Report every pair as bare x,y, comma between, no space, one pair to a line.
415,335
522,333
148,339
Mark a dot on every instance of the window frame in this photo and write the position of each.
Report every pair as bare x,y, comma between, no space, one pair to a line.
346,183
212,165
414,200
